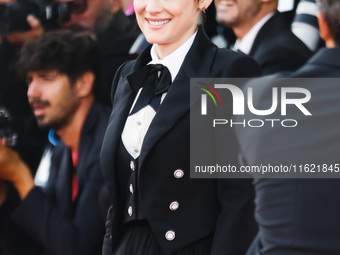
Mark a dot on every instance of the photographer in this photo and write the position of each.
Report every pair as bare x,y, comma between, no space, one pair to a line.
62,75
115,33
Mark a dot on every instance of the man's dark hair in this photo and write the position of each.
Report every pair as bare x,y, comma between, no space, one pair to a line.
69,52
330,9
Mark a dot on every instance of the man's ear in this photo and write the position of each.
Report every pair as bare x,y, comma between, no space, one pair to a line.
324,29
204,4
85,84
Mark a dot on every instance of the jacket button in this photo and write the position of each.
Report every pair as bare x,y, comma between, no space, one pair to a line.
131,188
178,173
170,235
132,165
174,206
130,210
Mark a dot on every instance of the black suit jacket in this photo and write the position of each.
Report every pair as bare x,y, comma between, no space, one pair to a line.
277,49
206,206
49,216
299,216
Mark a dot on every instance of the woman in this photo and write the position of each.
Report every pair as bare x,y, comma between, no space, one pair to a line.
157,208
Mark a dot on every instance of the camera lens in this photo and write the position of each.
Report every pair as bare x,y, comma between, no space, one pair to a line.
7,135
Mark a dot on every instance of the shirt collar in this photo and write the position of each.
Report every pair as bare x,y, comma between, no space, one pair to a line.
247,41
53,137
173,61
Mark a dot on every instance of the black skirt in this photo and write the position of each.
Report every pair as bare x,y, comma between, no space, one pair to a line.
138,239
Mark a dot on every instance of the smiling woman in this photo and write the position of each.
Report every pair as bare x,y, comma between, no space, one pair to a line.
157,208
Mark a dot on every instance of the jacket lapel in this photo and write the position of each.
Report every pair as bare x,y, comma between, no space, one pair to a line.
122,103
124,99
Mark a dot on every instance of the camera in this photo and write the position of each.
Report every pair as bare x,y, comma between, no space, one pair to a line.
50,13
7,135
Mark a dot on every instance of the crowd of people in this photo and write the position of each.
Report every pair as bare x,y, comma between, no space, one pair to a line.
99,101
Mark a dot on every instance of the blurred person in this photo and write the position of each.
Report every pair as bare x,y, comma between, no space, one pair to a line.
65,217
301,216
263,34
140,43
157,208
115,32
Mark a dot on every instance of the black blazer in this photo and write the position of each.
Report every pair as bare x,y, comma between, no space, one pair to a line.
299,216
206,206
325,63
277,49
50,217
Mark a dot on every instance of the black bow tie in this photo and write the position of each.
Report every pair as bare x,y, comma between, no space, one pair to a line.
155,80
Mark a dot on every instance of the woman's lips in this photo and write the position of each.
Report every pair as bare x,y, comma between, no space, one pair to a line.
157,23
